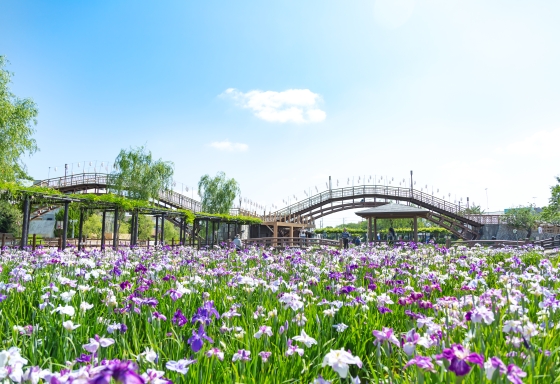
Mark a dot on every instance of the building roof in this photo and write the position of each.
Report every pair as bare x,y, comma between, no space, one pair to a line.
393,211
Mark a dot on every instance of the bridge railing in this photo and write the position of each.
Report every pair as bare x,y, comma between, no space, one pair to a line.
102,180
384,192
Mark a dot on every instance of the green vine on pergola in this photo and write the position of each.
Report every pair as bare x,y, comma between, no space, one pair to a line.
15,193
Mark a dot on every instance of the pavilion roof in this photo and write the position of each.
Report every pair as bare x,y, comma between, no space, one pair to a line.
391,210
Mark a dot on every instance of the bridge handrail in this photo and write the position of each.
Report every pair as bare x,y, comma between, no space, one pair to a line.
383,191
103,179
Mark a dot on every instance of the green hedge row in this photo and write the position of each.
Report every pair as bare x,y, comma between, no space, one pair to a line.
354,232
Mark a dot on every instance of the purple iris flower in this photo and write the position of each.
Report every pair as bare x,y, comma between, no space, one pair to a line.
346,290
422,362
83,358
514,374
204,314
179,318
196,341
123,372
383,309
458,357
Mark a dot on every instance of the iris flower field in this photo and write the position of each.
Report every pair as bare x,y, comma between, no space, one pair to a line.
407,313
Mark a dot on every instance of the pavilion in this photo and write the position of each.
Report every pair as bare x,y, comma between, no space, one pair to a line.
392,211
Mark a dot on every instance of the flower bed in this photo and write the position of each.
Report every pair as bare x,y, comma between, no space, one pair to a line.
392,315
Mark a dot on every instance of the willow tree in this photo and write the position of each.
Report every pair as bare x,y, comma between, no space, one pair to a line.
217,193
551,213
138,176
17,118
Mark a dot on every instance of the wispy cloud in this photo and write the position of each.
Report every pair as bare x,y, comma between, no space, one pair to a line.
290,106
229,146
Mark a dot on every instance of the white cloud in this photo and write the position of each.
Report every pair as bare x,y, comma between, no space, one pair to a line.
229,146
293,105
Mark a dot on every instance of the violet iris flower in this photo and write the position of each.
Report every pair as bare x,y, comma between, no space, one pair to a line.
179,318
458,357
514,374
123,372
196,341
422,362
204,314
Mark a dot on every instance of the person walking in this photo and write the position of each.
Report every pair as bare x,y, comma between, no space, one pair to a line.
237,242
345,238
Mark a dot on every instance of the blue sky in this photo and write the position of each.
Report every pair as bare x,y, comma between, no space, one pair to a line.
280,95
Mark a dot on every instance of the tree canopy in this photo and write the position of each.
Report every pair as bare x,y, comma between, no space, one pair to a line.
217,193
17,118
551,213
139,177
474,210
524,218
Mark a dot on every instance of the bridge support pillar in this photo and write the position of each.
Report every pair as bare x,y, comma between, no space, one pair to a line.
369,235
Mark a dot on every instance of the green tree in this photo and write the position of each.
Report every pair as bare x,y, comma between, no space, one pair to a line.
217,193
17,118
10,218
551,213
171,232
140,177
474,210
73,221
92,226
524,218
145,227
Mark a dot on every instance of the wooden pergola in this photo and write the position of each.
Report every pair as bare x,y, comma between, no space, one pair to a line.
392,211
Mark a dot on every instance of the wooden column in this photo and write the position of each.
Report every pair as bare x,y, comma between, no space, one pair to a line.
80,230
291,235
103,231
275,233
65,225
163,229
369,237
415,229
25,225
116,229
157,230
375,229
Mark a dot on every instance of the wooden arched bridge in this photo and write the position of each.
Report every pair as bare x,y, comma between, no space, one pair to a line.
443,213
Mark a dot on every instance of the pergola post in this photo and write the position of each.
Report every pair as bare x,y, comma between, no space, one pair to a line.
116,229
369,237
415,228
65,225
213,231
136,219
291,234
275,234
25,226
375,229
80,229
103,231
163,229
180,231
157,230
